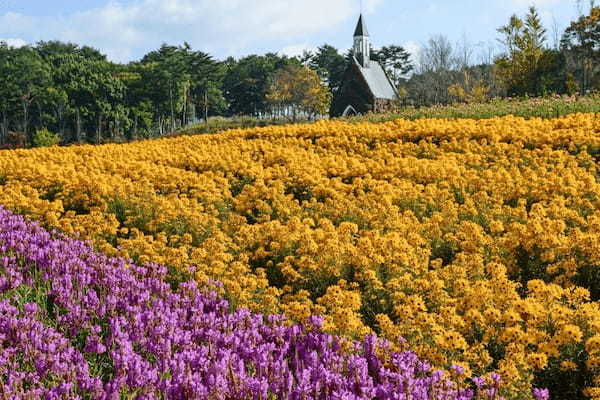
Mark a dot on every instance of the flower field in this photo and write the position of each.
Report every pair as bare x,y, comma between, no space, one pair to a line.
528,107
77,324
474,244
535,107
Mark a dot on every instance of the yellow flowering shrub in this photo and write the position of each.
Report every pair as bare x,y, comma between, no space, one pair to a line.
472,242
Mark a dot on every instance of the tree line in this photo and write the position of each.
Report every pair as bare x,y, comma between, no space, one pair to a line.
55,91
77,93
531,61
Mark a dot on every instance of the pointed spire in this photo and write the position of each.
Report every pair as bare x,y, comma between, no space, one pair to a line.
361,28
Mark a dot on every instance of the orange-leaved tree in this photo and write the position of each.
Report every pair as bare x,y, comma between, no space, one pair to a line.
296,90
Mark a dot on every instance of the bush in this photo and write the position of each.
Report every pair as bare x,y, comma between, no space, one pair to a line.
15,140
45,138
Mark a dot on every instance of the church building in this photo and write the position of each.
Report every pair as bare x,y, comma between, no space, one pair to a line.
365,86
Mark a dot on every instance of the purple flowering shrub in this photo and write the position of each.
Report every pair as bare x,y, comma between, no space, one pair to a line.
75,324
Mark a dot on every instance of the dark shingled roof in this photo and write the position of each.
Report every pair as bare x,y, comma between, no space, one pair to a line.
361,28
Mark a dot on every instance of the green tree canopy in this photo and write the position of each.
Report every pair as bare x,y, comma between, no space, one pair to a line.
396,61
581,43
246,82
527,65
330,65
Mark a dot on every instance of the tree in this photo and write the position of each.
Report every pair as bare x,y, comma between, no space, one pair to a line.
75,91
395,60
180,84
25,78
207,81
54,84
57,110
45,138
435,72
445,73
171,78
95,94
246,82
437,55
136,98
298,89
330,65
52,48
581,44
524,67
6,89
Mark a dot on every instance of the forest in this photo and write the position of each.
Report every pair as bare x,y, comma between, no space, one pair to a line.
56,92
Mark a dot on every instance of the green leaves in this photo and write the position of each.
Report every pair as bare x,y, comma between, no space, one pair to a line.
25,76
396,60
45,138
528,67
93,90
246,82
329,64
581,43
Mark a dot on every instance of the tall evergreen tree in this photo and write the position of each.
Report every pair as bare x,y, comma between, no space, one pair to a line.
330,65
396,61
527,63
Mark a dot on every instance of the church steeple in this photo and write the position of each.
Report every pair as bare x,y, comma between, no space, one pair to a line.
362,45
361,28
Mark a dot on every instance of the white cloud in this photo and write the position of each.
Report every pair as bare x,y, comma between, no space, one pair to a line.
414,49
294,50
14,42
226,27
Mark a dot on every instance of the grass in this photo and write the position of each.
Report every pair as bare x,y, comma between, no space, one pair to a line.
218,124
539,107
535,107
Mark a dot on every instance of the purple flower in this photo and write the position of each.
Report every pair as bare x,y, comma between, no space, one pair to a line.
541,394
108,328
458,369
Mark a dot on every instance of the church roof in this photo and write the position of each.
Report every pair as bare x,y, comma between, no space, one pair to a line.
377,80
361,28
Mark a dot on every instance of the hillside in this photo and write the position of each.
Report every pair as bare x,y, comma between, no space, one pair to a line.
472,242
77,324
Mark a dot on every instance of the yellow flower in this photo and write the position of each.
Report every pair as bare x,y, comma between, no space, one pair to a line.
570,333
593,362
568,366
592,345
450,237
537,360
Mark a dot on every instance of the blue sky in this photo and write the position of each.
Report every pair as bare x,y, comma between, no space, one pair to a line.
127,29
